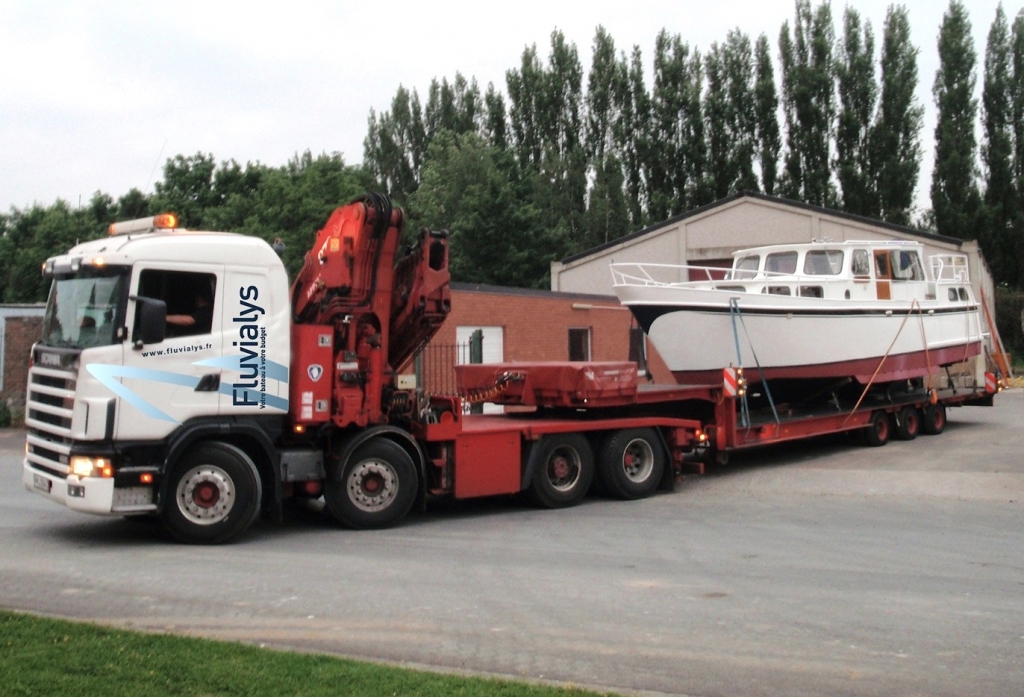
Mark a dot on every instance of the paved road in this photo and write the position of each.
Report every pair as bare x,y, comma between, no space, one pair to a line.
820,568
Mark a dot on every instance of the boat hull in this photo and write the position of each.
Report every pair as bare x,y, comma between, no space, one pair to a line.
800,338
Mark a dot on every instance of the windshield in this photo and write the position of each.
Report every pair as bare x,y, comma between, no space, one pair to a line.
85,309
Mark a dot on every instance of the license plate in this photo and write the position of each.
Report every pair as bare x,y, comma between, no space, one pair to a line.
40,482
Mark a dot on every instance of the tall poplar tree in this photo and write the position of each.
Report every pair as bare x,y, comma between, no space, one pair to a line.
631,131
739,68
526,101
997,237
954,190
395,144
808,98
896,133
665,163
729,115
602,85
717,114
857,94
1017,110
766,105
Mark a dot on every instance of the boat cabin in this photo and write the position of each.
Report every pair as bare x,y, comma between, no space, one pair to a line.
875,270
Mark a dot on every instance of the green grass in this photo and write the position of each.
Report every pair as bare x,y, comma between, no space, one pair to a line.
41,656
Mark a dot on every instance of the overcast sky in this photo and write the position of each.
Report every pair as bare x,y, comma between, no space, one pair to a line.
95,96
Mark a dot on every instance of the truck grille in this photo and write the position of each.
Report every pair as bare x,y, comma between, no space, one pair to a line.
48,409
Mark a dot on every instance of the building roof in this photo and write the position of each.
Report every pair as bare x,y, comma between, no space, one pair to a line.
901,229
531,292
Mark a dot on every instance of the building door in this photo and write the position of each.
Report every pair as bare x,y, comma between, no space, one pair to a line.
493,351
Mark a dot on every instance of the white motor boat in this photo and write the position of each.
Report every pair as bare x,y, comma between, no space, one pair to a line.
870,310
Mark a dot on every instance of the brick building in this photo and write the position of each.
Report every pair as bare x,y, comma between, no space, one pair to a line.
519,324
20,327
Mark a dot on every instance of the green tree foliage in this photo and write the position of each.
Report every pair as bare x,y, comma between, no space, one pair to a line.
808,99
469,188
955,198
766,106
998,235
28,238
895,135
496,124
455,107
607,217
857,94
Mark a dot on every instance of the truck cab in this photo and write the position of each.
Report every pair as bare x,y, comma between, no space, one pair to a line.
124,373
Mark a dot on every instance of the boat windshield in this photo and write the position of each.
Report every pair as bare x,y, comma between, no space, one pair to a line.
823,262
906,265
744,268
780,262
85,308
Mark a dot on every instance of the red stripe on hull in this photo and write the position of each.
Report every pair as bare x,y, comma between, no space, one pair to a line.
901,367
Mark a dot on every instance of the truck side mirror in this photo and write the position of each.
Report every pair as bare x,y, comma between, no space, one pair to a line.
150,321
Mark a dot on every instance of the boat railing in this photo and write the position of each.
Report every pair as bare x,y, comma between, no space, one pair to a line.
662,275
950,268
722,278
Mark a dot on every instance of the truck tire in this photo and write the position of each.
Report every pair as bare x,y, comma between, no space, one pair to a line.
563,470
933,419
630,463
213,494
908,423
878,430
376,488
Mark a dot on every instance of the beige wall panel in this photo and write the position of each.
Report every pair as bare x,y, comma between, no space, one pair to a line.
746,224
591,275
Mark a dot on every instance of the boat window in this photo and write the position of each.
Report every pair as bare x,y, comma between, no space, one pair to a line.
906,265
781,262
812,292
823,262
779,290
860,264
881,265
744,268
963,294
952,294
732,289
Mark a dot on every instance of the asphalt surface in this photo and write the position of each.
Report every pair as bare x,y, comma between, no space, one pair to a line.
817,568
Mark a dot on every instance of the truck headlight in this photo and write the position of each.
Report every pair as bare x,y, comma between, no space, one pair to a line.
85,466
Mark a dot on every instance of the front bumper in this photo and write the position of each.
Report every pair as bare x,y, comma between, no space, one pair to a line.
88,494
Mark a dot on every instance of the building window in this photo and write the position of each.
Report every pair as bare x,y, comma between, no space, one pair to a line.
579,343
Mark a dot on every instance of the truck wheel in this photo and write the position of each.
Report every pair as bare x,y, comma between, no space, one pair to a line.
630,463
933,421
376,489
908,423
878,430
564,470
214,494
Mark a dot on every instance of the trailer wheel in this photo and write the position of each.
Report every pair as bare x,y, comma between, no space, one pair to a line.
376,489
564,470
214,493
908,423
878,430
630,463
933,421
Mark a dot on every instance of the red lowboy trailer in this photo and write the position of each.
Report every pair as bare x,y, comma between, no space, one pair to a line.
295,393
